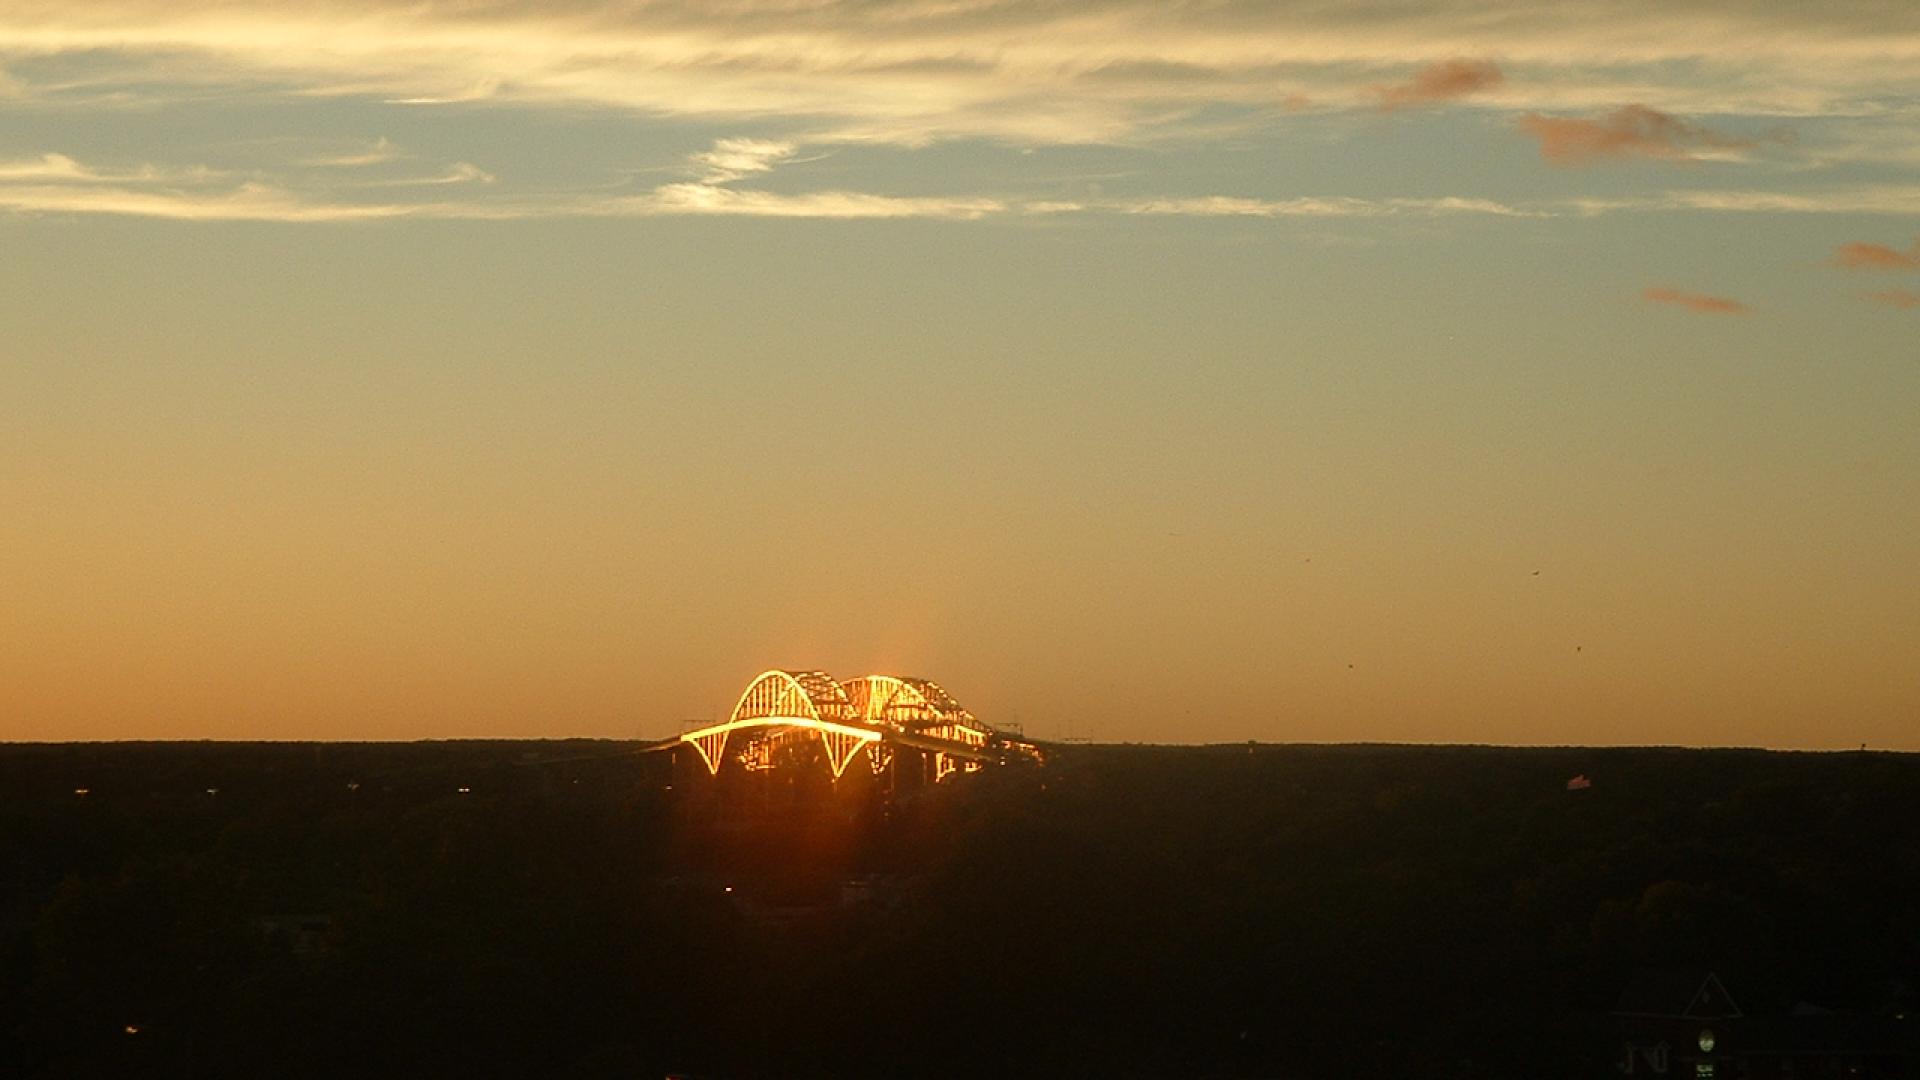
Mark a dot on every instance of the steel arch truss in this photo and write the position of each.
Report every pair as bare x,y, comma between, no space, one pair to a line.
789,701
800,694
881,714
918,705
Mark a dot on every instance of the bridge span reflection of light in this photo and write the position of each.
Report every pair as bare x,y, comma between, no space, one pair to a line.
881,716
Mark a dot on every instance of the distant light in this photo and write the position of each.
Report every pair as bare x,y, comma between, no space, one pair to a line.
466,791
133,1029
353,785
729,888
81,791
213,791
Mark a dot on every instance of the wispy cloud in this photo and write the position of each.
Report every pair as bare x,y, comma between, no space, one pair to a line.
483,88
731,159
57,184
910,71
1884,138
1447,80
303,192
1306,206
59,168
379,152
1899,298
460,172
1698,303
1884,200
248,202
45,167
705,199
1864,256
1633,131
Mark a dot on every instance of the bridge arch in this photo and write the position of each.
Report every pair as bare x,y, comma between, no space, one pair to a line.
905,704
795,695
793,700
920,707
884,715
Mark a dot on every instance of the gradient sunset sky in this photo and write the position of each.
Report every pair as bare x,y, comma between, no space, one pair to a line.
1435,370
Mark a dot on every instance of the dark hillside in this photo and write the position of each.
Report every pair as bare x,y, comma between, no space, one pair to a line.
346,909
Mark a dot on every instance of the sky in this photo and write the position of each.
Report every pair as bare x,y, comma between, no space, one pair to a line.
1409,370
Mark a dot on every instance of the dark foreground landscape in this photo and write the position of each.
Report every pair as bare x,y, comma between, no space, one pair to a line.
575,909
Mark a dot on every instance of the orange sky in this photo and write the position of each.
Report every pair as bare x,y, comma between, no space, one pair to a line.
1138,373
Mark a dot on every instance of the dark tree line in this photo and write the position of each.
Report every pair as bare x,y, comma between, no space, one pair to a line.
328,910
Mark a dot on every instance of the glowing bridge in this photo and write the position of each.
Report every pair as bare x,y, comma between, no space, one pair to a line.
787,717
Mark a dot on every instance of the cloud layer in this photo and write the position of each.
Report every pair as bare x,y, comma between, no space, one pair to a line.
913,70
770,85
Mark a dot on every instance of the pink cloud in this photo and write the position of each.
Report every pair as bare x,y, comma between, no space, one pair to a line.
1694,302
1859,256
1447,80
1633,131
1900,298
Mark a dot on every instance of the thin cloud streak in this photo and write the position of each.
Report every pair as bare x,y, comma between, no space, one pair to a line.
1308,207
251,202
1886,200
731,159
81,191
56,183
460,172
260,203
705,199
59,168
1697,303
379,153
46,167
